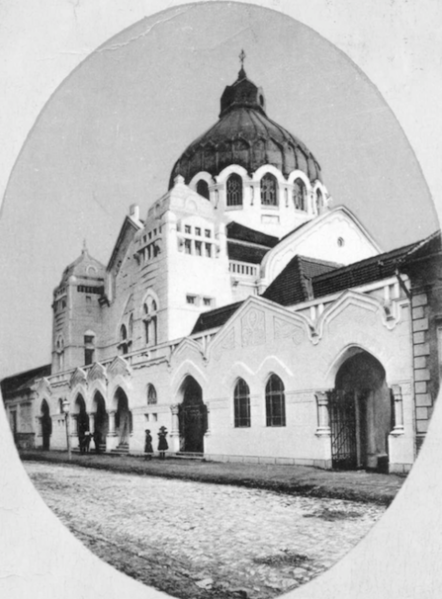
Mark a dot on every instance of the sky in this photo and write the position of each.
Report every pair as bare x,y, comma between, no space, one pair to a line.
110,134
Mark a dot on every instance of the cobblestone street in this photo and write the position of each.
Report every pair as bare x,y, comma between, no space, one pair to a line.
202,540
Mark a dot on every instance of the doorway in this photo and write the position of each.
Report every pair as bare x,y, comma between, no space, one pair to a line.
360,414
123,417
101,422
192,414
46,424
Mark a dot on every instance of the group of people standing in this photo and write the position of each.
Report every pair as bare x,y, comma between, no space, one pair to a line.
163,446
85,439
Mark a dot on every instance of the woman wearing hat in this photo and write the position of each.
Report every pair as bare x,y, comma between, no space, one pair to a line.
162,442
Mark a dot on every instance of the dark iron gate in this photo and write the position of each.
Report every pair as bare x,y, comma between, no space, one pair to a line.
193,425
343,426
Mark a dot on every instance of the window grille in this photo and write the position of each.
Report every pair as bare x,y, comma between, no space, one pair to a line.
234,190
299,194
269,190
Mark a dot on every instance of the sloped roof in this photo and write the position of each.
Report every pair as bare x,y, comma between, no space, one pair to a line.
293,284
305,278
360,273
22,381
80,267
240,232
215,318
246,253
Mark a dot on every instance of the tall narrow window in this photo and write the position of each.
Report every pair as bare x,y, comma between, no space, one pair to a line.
275,402
202,188
150,321
124,347
269,190
89,349
241,401
234,190
151,395
319,200
299,194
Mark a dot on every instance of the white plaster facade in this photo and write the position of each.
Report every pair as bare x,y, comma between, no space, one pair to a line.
125,329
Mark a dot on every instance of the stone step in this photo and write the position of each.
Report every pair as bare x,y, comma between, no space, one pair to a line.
188,455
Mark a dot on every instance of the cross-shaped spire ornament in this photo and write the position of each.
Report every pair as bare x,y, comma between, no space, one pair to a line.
242,57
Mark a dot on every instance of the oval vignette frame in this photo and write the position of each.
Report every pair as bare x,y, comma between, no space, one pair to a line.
415,479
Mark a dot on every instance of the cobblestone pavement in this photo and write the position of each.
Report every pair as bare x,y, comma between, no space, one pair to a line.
202,540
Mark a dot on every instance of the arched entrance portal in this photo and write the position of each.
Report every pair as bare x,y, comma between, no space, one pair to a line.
360,414
101,421
46,424
192,416
82,418
123,418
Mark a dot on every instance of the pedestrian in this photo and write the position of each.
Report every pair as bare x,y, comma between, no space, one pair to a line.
162,442
97,440
148,449
87,441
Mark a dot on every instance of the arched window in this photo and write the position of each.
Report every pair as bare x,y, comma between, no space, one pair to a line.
269,190
299,194
151,395
234,190
319,201
202,188
150,321
124,347
241,402
275,402
131,326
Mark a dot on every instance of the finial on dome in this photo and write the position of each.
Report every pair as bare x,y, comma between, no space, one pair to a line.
242,57
84,250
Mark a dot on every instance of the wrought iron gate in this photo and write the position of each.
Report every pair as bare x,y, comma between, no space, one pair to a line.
342,411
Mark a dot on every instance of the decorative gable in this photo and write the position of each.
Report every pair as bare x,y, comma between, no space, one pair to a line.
186,349
43,387
97,373
78,378
117,367
336,236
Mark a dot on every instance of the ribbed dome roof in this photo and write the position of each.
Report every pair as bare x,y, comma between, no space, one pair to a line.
245,135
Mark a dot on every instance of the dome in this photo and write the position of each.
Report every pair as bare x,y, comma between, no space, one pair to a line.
244,135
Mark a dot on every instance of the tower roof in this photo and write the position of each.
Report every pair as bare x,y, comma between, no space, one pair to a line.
83,266
246,136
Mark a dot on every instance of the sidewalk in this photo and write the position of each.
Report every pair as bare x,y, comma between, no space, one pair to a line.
367,487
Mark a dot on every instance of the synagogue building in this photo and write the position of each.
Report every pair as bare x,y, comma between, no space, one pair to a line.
247,315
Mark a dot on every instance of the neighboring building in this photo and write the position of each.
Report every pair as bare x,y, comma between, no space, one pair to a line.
246,315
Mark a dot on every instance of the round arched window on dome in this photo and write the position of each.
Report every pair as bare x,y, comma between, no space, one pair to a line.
269,190
202,188
234,190
299,195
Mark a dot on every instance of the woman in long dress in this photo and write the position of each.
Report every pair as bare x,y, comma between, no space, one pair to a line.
148,449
